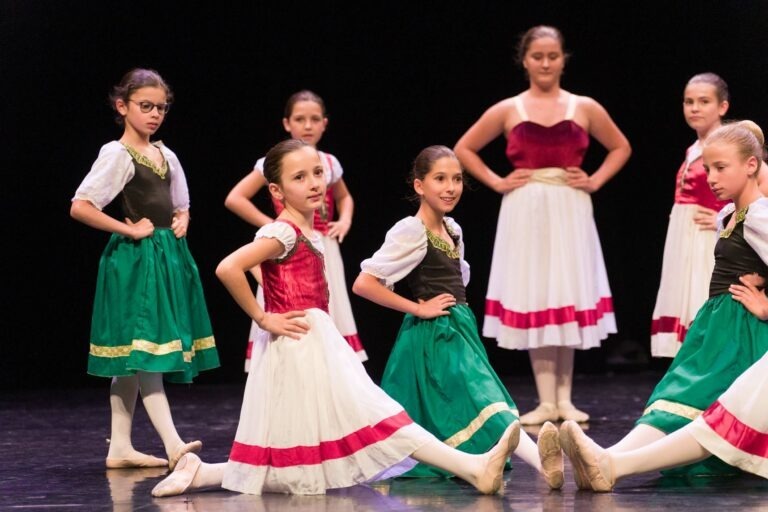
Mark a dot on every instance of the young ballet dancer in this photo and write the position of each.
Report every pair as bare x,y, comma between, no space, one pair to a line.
149,314
548,290
726,336
312,419
733,429
689,247
438,369
306,119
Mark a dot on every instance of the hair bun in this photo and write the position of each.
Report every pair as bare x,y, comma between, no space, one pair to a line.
754,128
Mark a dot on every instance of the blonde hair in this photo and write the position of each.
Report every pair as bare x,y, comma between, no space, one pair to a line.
745,135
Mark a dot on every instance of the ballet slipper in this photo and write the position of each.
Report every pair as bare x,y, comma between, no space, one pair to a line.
180,479
568,444
595,460
568,411
490,480
551,455
544,412
138,460
192,447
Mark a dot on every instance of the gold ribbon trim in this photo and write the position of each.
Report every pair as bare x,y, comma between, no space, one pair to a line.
156,349
685,411
477,423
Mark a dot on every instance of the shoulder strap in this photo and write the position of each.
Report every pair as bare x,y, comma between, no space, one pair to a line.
570,110
520,108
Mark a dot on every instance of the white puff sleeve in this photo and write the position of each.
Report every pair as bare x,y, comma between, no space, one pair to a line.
179,189
259,165
724,212
110,172
453,226
404,247
332,166
756,228
280,231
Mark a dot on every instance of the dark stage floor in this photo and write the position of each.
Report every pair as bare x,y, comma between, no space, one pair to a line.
54,442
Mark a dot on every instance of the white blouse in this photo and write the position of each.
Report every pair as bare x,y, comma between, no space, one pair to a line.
404,248
113,169
755,225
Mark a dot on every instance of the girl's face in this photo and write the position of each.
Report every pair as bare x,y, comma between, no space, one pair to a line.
302,183
544,61
144,123
701,108
442,186
727,172
306,122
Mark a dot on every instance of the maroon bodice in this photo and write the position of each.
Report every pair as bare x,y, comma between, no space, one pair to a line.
323,215
692,187
534,146
296,281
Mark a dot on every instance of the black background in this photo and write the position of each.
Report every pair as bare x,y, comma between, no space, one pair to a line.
396,77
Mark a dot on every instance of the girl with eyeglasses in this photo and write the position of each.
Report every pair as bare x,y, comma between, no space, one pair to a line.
306,119
149,315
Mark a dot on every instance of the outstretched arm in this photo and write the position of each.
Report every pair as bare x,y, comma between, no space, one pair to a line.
239,202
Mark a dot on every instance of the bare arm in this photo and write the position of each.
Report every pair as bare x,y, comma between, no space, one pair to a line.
345,205
605,131
490,125
83,211
369,287
239,198
231,272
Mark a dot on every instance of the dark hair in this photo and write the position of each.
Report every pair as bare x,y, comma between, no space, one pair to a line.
273,162
745,135
303,95
132,81
721,88
424,161
538,32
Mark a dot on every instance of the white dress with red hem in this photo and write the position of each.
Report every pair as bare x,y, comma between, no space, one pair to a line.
735,427
312,419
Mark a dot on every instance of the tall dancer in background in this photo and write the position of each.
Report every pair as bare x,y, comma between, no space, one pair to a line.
548,291
689,248
306,119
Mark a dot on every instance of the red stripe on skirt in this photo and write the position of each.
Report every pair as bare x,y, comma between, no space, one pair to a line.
552,316
354,342
736,433
669,324
326,450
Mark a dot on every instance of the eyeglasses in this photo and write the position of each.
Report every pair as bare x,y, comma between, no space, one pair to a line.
147,106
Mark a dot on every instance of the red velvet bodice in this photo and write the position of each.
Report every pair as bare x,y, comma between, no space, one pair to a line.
534,146
297,281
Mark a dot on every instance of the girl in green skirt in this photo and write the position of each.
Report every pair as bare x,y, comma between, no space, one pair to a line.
725,338
438,369
149,314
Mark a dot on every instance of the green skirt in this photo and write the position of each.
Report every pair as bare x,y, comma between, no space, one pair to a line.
723,341
149,313
439,372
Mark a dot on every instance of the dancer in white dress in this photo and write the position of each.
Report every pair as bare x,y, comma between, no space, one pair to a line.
305,119
548,290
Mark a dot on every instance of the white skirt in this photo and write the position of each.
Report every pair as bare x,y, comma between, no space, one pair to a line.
689,257
312,419
735,428
339,306
548,285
